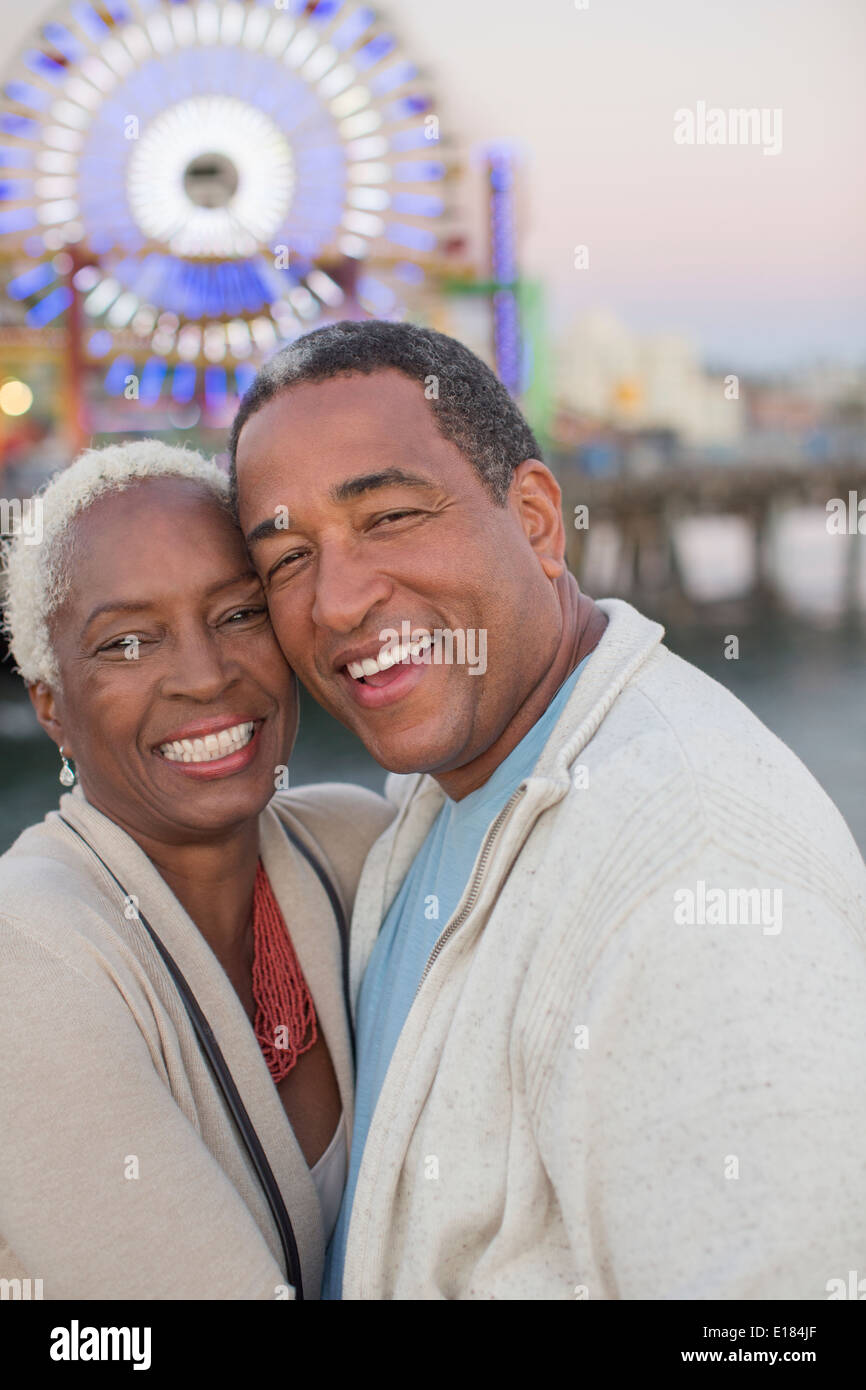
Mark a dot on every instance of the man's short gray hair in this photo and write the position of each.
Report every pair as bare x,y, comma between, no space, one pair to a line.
36,576
469,403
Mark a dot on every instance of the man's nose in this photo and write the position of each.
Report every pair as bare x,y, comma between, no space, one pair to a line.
347,588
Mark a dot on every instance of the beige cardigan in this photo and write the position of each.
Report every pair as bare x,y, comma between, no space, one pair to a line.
591,1098
122,1175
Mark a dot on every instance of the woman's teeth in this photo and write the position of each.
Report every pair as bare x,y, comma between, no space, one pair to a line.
209,748
388,657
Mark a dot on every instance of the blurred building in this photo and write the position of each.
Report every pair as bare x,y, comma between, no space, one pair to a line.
652,386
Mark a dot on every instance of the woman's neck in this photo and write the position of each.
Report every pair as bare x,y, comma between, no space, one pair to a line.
212,878
214,883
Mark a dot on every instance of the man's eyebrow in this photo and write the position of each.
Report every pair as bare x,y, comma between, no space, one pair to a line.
142,605
346,492
369,482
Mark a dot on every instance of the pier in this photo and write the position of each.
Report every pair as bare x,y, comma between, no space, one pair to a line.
645,510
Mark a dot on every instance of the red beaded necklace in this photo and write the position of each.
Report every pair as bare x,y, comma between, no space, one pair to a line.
285,1023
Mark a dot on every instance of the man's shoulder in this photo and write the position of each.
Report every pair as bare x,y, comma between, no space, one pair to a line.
674,719
677,749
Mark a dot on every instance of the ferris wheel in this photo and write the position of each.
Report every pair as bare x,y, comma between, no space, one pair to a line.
210,178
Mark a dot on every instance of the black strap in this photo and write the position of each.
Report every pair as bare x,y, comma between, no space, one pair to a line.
342,924
211,1049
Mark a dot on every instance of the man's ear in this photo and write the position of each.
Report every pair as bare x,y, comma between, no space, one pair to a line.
536,495
44,702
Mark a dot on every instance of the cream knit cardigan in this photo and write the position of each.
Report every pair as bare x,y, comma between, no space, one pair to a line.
592,1098
122,1175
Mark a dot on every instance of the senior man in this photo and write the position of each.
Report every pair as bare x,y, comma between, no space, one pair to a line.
608,962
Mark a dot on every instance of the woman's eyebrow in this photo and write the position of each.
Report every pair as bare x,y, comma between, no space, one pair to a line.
142,605
116,606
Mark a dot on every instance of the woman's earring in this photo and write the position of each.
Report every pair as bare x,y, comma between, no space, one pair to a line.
67,775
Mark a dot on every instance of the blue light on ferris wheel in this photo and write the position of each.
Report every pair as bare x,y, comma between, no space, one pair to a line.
92,23
374,295
396,76
22,126
115,377
99,343
32,281
183,383
374,51
15,157
414,138
419,171
409,273
26,95
51,307
120,13
61,39
406,106
17,219
418,204
43,66
152,377
245,375
416,238
326,9
352,28
215,386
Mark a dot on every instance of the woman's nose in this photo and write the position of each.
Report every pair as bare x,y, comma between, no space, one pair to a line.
200,669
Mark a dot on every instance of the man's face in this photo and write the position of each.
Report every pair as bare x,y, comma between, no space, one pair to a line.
361,518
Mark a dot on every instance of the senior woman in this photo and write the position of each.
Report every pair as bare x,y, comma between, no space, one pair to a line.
175,1053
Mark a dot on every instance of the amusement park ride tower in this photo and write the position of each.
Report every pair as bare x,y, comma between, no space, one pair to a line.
185,186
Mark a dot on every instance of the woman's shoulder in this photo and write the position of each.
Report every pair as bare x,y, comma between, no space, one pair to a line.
339,820
50,897
341,808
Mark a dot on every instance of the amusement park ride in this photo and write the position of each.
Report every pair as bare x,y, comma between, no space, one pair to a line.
186,186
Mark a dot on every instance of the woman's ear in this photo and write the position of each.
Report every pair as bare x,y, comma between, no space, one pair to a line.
44,703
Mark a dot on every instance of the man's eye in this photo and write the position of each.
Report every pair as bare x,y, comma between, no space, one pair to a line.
286,560
244,615
396,516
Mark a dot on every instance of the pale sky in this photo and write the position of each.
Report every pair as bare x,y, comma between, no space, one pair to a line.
759,259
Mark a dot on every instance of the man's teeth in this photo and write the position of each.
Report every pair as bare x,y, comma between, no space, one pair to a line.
209,748
388,657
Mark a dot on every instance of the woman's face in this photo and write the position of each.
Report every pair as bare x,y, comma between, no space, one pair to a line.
175,702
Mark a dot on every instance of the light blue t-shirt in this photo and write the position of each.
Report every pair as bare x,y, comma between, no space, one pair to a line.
425,903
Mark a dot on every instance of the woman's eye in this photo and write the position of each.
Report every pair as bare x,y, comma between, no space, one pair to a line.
129,645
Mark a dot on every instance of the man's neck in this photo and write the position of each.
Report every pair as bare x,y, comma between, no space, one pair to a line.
582,628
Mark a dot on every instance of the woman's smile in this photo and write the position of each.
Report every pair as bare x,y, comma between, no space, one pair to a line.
217,748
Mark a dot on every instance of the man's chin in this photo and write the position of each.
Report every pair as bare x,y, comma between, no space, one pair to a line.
412,752
427,744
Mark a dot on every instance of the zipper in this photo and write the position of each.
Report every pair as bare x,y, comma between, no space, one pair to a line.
474,888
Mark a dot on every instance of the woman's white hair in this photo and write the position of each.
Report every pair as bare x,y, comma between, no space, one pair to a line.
36,577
